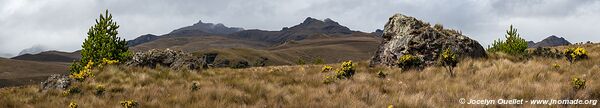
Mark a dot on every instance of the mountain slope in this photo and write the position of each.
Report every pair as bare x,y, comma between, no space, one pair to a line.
20,72
50,56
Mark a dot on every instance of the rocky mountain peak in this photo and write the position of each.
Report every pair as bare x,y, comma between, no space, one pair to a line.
550,41
327,26
202,28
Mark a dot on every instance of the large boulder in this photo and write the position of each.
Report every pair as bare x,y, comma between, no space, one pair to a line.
169,58
56,81
407,35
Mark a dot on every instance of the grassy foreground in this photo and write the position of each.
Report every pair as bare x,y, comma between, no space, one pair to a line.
302,86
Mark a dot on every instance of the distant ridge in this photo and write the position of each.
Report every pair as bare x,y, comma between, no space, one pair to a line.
550,41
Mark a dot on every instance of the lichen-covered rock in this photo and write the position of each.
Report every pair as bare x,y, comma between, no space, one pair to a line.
169,58
56,81
407,35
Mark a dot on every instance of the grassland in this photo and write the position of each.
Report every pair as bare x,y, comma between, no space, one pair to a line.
496,77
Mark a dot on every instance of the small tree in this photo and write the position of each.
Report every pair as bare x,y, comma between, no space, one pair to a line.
102,43
449,60
513,45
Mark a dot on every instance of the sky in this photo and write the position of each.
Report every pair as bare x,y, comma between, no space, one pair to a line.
62,24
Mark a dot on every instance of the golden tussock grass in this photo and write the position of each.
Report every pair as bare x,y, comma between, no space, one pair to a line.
302,86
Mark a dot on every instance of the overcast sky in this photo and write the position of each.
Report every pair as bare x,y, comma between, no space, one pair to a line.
62,24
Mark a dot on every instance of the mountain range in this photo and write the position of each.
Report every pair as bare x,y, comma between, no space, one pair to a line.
550,41
309,41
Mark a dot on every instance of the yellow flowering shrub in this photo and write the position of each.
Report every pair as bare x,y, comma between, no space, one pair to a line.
381,74
408,61
129,103
326,68
347,70
578,83
70,91
575,54
99,90
449,60
556,66
84,73
72,105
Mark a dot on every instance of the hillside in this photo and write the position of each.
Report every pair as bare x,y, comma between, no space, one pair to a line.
20,72
301,86
51,56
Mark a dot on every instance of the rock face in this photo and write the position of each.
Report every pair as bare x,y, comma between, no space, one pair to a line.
407,35
56,81
169,58
551,41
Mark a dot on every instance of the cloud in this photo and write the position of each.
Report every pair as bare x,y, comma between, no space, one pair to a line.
62,24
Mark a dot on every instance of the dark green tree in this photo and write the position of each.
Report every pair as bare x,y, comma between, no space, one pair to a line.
513,45
102,43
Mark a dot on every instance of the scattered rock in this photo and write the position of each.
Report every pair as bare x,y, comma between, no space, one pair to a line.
407,35
56,81
170,58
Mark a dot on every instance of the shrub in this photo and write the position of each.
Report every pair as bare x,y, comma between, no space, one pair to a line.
408,61
72,105
513,45
83,73
556,66
319,61
575,54
449,60
578,83
99,90
102,43
381,74
129,103
73,90
326,68
328,79
195,86
300,61
347,70
546,52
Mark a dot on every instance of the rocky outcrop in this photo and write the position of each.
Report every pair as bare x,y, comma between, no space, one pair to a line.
551,41
169,58
56,81
405,35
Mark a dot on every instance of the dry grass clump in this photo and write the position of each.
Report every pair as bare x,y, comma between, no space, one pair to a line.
301,86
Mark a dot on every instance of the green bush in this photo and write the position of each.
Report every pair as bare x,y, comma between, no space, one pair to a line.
546,52
102,43
300,61
449,60
319,60
408,61
513,45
